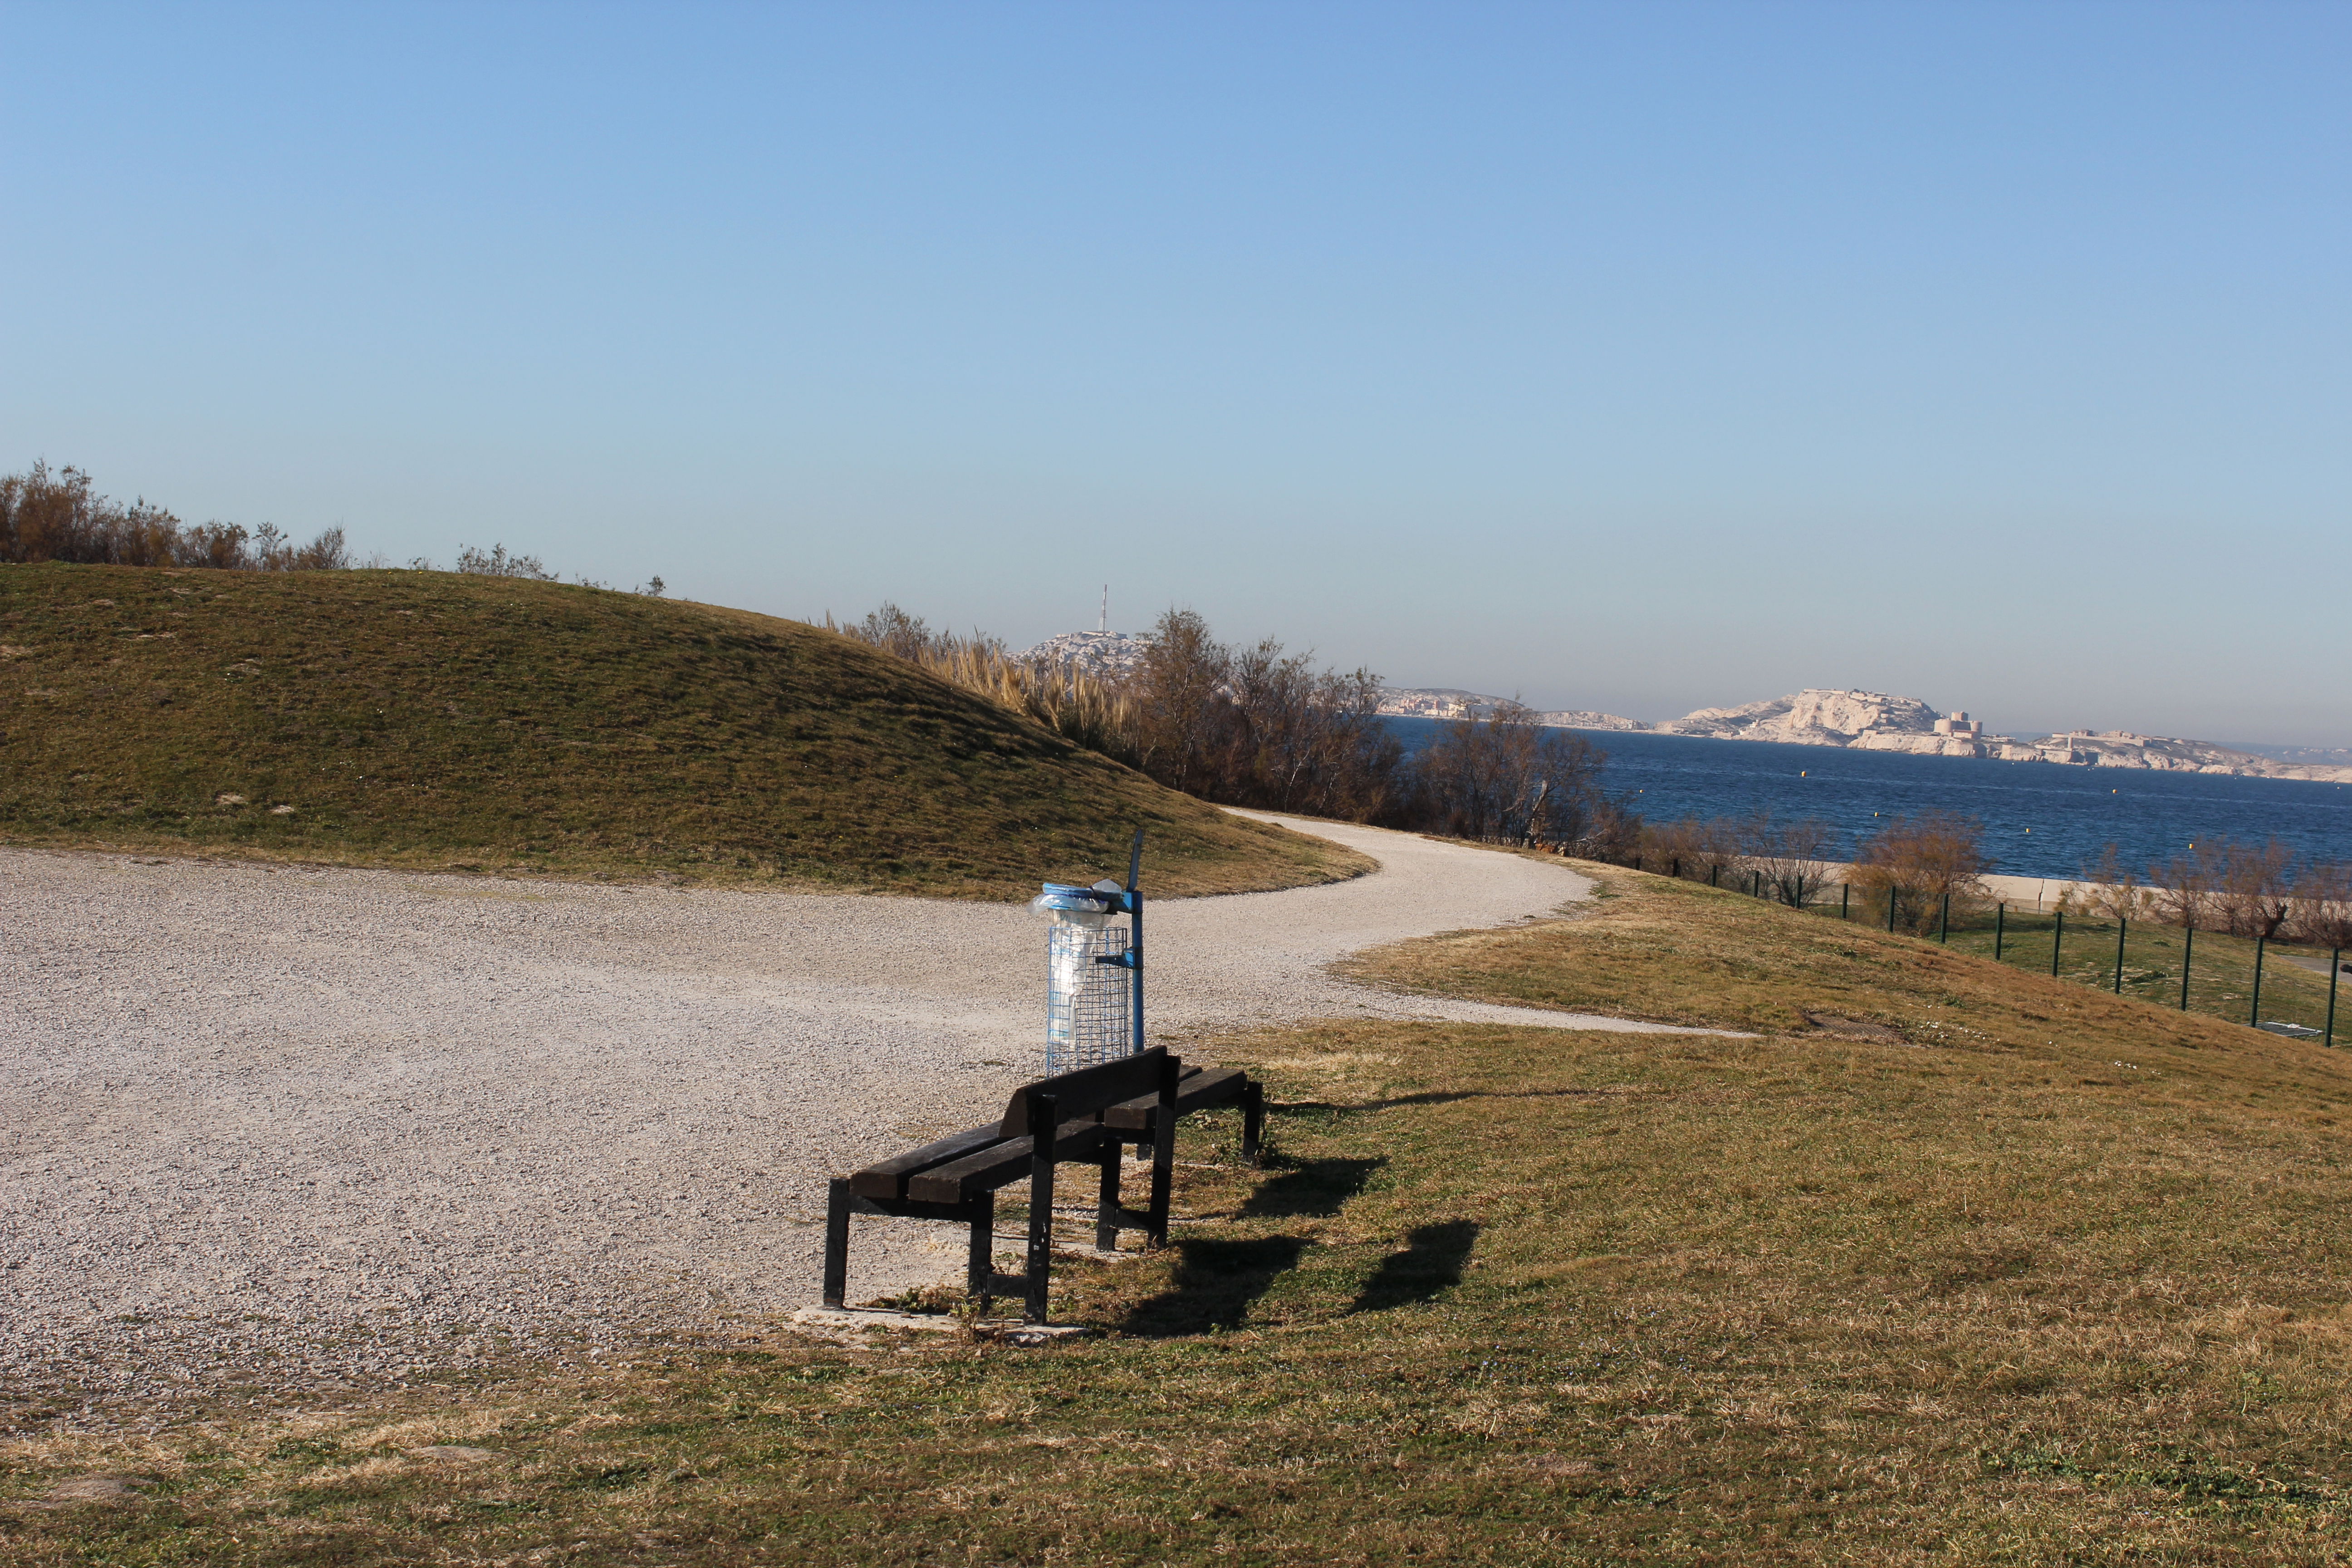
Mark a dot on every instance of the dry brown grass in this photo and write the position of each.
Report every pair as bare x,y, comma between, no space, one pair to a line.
442,721
2064,1280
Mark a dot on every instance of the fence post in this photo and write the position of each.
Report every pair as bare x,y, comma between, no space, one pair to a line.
2188,948
1999,929
2122,924
1677,871
1713,871
2254,1011
1754,883
2057,941
1890,906
1845,900
2335,968
1944,921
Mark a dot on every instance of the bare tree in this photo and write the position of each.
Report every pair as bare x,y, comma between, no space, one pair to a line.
2104,888
893,631
1506,778
60,516
2257,887
1699,850
495,561
2322,906
1263,727
1181,704
1299,740
1791,858
1919,861
1613,831
2188,887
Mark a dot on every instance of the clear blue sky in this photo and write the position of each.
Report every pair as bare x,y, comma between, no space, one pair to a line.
1632,357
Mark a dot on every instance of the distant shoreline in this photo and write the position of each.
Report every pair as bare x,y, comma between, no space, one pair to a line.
2306,772
1878,722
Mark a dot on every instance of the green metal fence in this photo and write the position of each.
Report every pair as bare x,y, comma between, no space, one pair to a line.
2284,988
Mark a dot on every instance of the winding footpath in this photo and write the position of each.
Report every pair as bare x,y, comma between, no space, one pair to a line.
337,1124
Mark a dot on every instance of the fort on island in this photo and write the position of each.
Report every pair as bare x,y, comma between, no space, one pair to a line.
1882,722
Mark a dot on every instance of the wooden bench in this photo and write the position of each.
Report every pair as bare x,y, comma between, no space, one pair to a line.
1091,1115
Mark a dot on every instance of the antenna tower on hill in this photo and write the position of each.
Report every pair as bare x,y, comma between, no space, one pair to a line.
1106,615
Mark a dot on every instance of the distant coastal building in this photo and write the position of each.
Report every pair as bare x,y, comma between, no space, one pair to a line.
1426,705
1817,716
1107,656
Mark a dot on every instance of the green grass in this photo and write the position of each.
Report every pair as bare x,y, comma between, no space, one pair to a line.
439,722
2220,967
2063,1279
2294,977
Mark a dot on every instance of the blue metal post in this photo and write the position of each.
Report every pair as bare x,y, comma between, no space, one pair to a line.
1135,932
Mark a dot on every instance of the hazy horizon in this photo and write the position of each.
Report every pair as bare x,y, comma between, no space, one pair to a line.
1632,359
1990,727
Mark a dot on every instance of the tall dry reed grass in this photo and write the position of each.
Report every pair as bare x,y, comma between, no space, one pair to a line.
1254,725
1075,704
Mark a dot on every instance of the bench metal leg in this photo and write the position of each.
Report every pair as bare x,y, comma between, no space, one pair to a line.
1253,1121
1163,1150
980,1252
1045,1128
836,1241
1107,1208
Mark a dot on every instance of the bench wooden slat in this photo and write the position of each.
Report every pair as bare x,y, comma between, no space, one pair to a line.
1081,1096
1096,1109
998,1164
887,1178
1195,1092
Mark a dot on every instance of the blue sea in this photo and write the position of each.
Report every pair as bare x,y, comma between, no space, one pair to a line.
2041,819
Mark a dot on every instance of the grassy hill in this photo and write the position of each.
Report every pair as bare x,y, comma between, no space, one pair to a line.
434,721
1987,1269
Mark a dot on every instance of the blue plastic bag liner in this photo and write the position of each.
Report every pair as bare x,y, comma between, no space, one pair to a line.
1068,895
1079,915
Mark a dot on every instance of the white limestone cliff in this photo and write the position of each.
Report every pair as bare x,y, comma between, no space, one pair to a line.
1817,716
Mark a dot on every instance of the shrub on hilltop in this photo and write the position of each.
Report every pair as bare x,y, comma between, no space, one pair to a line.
61,517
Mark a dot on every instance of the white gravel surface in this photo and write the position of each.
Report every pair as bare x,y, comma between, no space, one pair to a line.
348,1126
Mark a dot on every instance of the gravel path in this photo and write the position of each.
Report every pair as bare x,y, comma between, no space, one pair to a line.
345,1125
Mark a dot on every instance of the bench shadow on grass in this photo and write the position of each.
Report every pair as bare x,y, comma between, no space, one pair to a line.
1317,1187
1456,1096
1216,1278
1215,1283
1432,1261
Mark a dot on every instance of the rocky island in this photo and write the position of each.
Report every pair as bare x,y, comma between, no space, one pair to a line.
1880,721
1817,716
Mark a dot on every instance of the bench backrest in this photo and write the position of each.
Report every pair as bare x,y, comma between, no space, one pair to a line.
1089,1091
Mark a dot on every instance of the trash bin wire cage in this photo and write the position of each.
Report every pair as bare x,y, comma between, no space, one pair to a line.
1093,969
1089,1005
